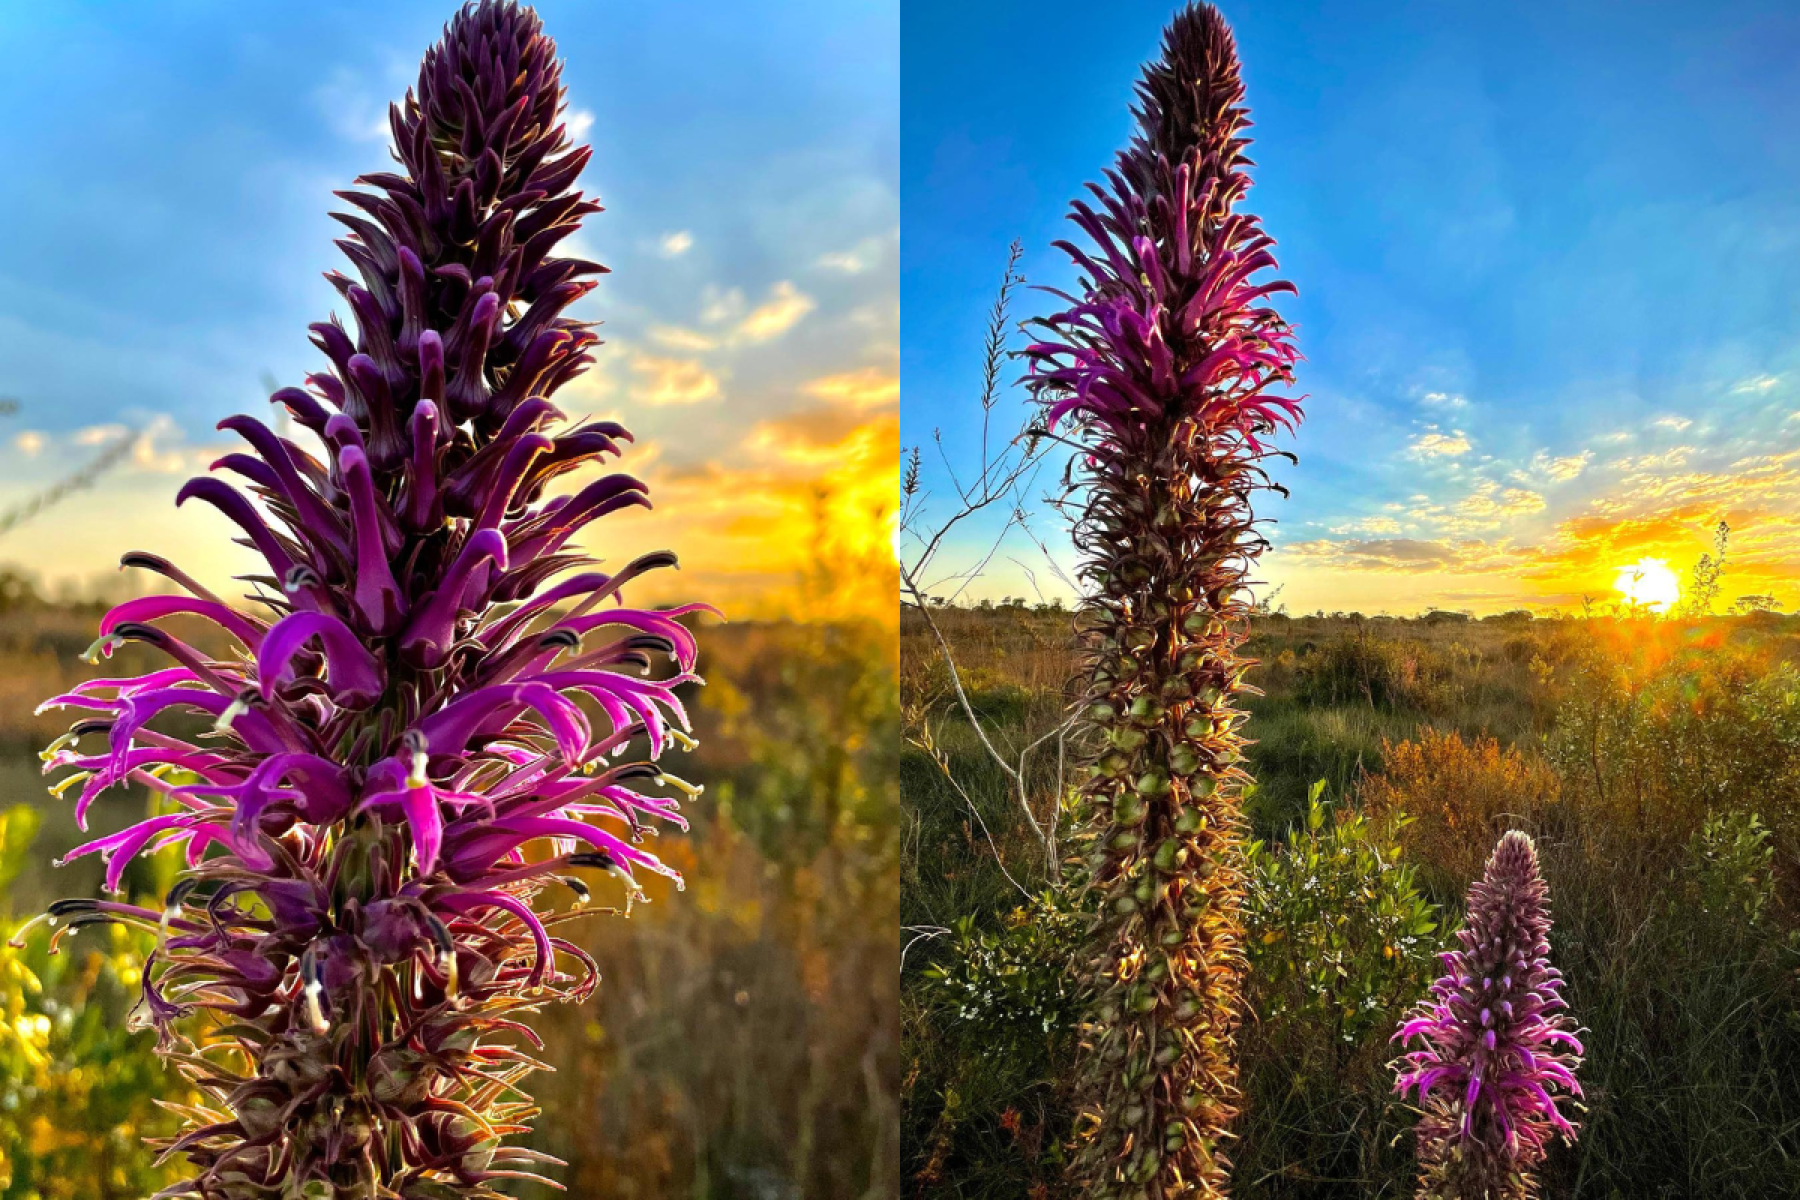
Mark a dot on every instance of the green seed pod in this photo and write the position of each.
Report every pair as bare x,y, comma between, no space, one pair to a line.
1153,783
1190,820
1170,854
1146,710
1126,738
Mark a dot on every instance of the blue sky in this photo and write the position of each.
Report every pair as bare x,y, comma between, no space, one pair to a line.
1548,258
169,171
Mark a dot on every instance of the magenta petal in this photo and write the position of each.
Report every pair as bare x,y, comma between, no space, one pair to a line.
378,596
149,608
355,677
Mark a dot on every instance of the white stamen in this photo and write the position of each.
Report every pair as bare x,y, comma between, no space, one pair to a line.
233,711
62,785
676,781
417,778
105,645
67,739
315,1011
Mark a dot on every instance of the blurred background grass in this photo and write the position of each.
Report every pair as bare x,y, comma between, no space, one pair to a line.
745,1039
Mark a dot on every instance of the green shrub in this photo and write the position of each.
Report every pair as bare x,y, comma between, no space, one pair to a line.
991,1033
77,1089
1341,942
1014,983
1386,673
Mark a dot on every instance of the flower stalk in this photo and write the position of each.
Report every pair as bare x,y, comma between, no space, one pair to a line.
1496,1046
1166,363
437,726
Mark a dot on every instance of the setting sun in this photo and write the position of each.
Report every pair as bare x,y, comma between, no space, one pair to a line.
1649,583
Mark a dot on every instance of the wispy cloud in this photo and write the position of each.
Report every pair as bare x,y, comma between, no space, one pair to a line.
868,388
1560,470
666,381
865,256
679,337
1439,445
1755,385
784,309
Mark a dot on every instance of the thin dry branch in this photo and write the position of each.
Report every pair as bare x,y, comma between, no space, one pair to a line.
1004,473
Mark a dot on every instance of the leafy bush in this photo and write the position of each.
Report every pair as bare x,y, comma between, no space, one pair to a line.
992,1031
1013,983
1341,943
77,1088
1461,795
1731,867
1385,673
1662,742
1341,934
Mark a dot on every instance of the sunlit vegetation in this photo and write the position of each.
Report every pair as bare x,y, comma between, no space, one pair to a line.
1655,761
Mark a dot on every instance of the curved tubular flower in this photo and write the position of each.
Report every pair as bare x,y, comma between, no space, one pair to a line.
421,732
1496,1044
1164,364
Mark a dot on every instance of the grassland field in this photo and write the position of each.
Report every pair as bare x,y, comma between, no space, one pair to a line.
1656,761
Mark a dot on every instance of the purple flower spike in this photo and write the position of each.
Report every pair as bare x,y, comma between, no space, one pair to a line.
427,727
1497,1044
1171,369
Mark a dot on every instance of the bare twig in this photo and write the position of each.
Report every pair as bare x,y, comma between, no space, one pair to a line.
1004,473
